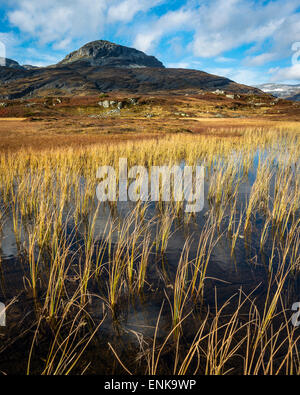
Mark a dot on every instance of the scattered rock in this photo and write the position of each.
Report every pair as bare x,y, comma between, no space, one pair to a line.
106,104
181,114
114,112
219,92
239,116
133,101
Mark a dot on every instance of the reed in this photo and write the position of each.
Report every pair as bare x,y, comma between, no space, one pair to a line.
74,251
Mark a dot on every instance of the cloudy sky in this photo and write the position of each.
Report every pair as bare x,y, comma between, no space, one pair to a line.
249,41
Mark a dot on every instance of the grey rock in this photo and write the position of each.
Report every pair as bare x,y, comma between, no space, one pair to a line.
106,54
219,92
94,116
133,101
12,64
114,112
106,104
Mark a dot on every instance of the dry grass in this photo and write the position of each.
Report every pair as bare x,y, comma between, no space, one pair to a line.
50,195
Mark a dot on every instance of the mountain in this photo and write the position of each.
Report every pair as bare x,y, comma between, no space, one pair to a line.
106,54
294,97
290,92
10,63
101,66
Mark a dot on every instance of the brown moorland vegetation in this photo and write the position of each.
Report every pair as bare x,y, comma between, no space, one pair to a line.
79,121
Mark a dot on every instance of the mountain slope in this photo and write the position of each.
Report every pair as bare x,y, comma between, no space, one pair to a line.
101,66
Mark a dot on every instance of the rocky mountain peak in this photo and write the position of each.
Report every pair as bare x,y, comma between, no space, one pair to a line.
10,63
107,54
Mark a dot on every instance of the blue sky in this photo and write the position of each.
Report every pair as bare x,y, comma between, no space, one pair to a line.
249,41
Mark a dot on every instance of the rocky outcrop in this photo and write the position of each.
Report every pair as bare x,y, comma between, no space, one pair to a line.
12,64
106,54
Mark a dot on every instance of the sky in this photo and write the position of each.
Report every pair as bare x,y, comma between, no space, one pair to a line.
249,41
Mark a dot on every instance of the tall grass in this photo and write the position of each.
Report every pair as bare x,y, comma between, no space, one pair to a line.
73,250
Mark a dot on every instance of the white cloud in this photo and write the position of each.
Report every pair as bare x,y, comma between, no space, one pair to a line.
261,59
219,26
176,45
62,21
40,58
145,42
179,65
173,21
56,21
126,10
63,44
247,77
240,75
185,64
224,59
287,74
223,25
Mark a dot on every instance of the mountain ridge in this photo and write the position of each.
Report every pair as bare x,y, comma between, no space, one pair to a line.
101,66
283,91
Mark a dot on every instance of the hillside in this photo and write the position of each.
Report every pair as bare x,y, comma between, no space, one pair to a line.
100,67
